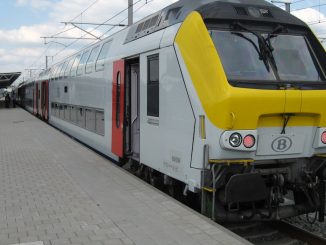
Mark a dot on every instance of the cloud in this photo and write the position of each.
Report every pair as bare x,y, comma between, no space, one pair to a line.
35,4
314,18
20,47
28,37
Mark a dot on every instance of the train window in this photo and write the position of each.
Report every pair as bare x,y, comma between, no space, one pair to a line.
56,110
90,119
63,68
53,109
248,65
294,60
53,71
66,89
91,59
117,102
99,119
73,114
66,113
153,86
103,54
57,72
82,62
81,117
74,66
61,112
68,67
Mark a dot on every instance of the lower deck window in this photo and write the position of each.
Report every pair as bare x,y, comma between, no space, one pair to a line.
81,117
99,120
73,114
91,119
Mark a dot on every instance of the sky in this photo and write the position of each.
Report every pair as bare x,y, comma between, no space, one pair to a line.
23,22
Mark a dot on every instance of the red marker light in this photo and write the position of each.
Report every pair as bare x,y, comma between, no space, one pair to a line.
323,137
249,140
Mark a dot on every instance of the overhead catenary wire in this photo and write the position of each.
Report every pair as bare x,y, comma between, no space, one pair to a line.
95,28
69,29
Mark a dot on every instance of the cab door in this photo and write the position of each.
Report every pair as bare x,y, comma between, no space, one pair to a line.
118,100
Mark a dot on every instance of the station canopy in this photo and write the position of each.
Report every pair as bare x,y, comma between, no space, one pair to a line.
6,79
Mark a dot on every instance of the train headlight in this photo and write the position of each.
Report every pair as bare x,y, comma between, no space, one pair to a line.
235,140
323,137
249,141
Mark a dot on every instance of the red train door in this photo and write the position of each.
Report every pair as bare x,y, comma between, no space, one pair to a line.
45,100
118,100
36,99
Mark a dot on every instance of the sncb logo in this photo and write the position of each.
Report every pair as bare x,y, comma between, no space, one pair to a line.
281,144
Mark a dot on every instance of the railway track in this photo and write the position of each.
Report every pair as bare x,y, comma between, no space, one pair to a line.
275,233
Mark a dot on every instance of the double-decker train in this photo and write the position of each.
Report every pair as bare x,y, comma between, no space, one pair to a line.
223,101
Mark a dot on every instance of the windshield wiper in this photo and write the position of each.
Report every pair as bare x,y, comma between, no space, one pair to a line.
264,48
239,34
277,30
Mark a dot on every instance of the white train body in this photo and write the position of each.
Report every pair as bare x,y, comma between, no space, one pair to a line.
142,100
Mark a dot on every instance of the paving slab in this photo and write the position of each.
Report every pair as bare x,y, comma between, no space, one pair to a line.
56,191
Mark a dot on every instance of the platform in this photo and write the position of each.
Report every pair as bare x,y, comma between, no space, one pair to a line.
54,190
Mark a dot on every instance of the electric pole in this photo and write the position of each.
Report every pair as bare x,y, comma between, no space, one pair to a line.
287,4
130,12
47,61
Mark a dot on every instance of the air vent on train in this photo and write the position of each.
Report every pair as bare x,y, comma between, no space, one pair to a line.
241,11
147,24
266,13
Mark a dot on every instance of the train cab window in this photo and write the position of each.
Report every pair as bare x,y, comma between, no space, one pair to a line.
68,67
99,121
153,86
74,66
81,66
81,117
90,119
99,66
91,59
290,60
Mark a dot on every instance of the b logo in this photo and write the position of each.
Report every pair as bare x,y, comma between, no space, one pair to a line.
281,144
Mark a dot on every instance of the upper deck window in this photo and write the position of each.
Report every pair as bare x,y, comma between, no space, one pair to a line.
63,68
82,62
75,65
91,59
103,54
68,68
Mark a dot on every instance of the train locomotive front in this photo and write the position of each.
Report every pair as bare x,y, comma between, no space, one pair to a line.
259,74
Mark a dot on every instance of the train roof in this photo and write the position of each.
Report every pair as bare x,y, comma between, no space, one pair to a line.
212,10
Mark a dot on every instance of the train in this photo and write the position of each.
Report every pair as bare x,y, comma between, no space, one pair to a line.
221,102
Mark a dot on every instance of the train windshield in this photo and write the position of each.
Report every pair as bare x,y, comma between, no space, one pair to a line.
284,57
